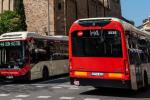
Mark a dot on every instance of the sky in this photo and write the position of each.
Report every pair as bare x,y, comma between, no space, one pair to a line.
136,10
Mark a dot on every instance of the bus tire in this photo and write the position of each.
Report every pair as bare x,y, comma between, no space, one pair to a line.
28,76
45,73
146,86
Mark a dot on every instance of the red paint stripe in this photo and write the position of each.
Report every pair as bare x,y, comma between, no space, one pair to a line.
15,72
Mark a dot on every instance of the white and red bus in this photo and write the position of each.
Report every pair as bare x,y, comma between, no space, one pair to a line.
29,56
108,52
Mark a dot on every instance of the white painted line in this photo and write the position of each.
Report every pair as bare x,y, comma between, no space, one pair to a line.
91,88
40,86
9,85
21,85
66,98
56,87
22,96
74,88
43,97
65,86
91,99
4,95
16,99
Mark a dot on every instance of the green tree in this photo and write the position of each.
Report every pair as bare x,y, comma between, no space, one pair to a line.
21,11
10,21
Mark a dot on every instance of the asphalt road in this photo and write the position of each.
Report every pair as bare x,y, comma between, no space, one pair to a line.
60,89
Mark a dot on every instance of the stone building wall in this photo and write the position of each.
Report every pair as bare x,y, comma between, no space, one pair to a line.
62,13
82,11
7,5
59,20
113,9
71,13
77,9
36,12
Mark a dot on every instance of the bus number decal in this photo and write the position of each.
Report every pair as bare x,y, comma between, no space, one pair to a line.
112,32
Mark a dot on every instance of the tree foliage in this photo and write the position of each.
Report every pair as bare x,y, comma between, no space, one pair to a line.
10,21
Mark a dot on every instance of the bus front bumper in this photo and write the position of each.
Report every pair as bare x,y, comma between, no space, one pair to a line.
125,84
15,78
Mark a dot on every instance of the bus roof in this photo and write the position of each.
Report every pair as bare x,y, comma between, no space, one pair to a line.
59,37
25,35
97,18
18,35
126,26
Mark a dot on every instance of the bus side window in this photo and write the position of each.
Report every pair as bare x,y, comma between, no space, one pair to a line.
130,49
142,45
133,53
60,50
136,58
148,50
39,52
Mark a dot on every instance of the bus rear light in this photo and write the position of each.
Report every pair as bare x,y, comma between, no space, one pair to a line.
70,65
126,67
115,75
80,33
79,73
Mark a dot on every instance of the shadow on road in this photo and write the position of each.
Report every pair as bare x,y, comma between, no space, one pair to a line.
54,79
118,93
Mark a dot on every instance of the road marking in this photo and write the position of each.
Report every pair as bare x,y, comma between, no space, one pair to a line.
74,88
16,99
91,88
22,96
43,97
66,98
91,99
67,86
40,86
9,85
4,95
21,85
56,87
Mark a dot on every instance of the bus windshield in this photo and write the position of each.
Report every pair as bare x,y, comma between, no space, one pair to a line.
11,54
96,43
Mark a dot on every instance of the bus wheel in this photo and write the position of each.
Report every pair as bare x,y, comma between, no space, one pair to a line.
28,76
145,81
45,73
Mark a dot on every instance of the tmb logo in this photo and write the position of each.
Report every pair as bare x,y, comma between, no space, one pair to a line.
94,33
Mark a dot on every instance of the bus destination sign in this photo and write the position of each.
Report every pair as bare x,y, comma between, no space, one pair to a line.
10,43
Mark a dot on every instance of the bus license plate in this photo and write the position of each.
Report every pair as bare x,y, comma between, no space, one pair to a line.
97,74
9,77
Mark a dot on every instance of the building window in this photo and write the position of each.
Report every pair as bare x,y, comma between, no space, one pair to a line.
59,6
108,4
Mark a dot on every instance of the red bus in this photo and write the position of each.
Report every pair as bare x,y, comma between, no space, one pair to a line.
30,56
108,52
